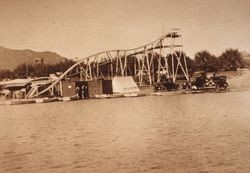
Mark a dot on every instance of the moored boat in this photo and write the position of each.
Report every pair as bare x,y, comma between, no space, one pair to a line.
130,94
102,96
46,100
19,101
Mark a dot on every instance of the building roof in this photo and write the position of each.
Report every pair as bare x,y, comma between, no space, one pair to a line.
16,81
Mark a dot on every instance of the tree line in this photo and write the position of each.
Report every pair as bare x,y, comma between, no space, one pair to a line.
230,59
40,69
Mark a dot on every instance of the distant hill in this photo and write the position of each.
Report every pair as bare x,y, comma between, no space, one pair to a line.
246,57
10,58
245,54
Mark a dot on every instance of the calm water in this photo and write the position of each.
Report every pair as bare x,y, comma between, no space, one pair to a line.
183,133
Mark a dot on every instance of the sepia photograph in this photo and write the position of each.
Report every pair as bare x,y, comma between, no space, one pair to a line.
124,86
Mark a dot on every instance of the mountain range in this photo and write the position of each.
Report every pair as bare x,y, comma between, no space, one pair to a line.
11,58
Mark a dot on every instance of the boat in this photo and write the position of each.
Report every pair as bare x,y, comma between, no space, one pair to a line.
130,94
197,91
135,94
165,93
20,101
46,100
73,98
156,94
102,96
65,99
116,95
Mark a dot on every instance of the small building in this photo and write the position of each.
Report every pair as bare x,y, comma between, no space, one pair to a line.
68,89
89,89
17,88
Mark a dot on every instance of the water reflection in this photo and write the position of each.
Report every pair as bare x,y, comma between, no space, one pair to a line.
184,133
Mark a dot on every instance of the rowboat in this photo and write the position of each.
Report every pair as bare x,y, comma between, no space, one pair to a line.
20,101
46,100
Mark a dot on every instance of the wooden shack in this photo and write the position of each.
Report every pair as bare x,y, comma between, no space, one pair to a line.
107,87
86,89
94,88
68,88
89,89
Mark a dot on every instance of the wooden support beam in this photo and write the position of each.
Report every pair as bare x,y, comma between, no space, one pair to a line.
117,64
159,63
148,70
125,72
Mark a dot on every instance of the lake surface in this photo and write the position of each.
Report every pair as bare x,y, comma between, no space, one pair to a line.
193,133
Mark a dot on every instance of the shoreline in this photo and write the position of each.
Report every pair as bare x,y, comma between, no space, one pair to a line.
238,82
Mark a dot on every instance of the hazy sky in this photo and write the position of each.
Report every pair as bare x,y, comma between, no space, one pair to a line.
78,28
